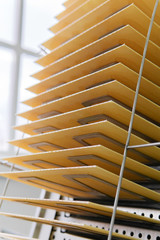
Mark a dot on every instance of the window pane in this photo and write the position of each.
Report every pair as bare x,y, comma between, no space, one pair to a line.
38,16
8,10
27,68
6,73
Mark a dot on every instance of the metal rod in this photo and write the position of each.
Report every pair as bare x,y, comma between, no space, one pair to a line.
6,186
144,145
8,164
37,214
131,124
8,180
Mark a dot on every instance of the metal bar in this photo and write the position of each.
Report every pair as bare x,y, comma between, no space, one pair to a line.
8,164
37,214
6,186
131,124
16,77
46,230
8,180
144,145
43,50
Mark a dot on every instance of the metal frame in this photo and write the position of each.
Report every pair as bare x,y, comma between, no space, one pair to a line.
123,227
131,125
46,230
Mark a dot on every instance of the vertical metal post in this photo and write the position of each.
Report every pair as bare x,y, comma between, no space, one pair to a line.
131,124
37,214
45,231
15,82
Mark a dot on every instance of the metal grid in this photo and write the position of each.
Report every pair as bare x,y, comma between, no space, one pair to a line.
131,125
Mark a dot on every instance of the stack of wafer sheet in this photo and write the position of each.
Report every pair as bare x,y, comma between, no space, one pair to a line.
81,112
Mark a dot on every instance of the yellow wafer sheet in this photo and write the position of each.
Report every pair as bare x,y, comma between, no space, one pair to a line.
130,15
117,71
15,237
101,12
122,54
69,3
83,8
94,155
70,6
112,90
125,35
80,8
106,110
69,226
104,133
83,182
83,208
